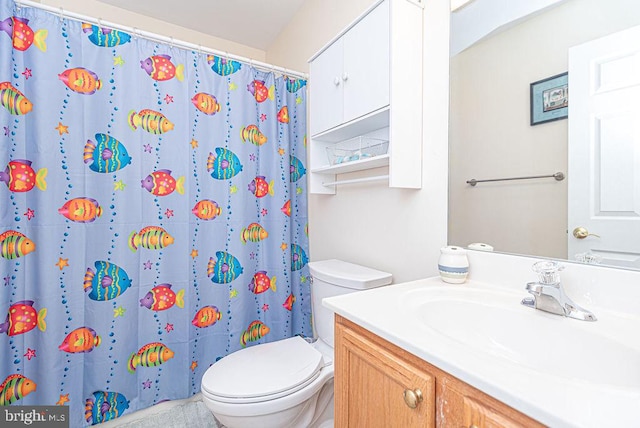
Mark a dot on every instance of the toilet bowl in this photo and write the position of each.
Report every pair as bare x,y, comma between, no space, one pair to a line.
287,383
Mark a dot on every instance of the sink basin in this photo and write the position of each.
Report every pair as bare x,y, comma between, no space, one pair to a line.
493,323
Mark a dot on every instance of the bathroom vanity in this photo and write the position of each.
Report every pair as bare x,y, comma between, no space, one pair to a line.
427,353
400,389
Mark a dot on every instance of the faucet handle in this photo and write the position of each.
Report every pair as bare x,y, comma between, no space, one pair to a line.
548,271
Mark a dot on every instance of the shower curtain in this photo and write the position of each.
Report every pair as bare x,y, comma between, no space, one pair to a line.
153,214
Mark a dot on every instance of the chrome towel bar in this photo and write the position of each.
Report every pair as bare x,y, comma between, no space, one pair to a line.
558,176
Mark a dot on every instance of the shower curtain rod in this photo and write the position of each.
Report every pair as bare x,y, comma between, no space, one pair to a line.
159,38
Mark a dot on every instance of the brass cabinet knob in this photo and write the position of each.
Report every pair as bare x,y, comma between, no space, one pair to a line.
581,233
412,397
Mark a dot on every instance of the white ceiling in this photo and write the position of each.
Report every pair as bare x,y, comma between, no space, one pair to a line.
254,23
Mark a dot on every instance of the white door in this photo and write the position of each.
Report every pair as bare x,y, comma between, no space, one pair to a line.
604,148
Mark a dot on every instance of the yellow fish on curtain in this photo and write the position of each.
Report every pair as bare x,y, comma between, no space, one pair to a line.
154,215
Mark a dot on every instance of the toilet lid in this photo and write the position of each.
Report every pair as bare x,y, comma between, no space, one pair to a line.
263,372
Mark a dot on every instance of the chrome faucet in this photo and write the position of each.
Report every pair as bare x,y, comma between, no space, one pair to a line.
549,296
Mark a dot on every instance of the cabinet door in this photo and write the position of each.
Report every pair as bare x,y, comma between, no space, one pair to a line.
465,407
326,89
370,384
366,64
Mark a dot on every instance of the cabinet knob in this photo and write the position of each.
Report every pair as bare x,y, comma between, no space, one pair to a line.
412,397
336,81
345,76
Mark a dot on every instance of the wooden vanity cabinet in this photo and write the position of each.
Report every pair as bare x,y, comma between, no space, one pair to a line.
378,384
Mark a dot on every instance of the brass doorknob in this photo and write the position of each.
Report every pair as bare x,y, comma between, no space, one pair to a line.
581,233
412,397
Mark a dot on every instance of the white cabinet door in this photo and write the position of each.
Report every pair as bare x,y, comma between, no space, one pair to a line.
326,89
366,64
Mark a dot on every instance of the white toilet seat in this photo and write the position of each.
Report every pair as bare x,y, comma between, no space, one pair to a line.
264,372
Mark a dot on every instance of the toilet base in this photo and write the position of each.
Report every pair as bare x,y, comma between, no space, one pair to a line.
316,412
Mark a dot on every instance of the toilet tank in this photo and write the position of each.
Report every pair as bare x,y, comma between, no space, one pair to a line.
333,278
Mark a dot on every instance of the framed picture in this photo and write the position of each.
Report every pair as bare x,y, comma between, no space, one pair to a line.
550,99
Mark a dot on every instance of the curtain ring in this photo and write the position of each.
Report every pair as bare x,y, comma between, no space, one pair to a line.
61,14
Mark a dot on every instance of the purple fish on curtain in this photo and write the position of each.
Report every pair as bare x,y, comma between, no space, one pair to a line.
153,217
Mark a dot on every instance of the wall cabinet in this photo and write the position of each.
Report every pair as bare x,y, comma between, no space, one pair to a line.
378,384
367,81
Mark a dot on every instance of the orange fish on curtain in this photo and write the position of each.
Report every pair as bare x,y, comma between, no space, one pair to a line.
22,35
14,244
14,388
81,210
80,340
14,100
206,103
81,80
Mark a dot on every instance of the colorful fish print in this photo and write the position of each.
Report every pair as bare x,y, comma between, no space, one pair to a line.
81,210
206,209
206,103
293,85
260,188
106,155
286,208
254,233
82,339
150,120
260,92
14,100
296,169
207,316
104,406
19,176
224,164
81,80
150,355
14,244
107,282
161,183
15,387
298,257
261,283
22,35
256,331
283,115
105,37
161,297
288,304
151,238
252,133
223,66
22,318
224,269
160,68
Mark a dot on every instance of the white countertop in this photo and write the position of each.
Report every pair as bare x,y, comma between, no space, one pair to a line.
553,400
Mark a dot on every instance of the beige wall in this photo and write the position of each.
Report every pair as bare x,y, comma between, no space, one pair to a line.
105,12
490,135
396,230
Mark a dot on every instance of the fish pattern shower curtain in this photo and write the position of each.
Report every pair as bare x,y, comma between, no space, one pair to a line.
153,214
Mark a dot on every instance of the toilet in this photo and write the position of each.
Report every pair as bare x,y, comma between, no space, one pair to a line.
287,383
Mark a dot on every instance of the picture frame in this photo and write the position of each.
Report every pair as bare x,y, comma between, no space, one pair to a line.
550,99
